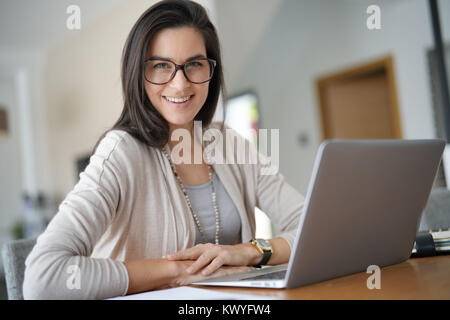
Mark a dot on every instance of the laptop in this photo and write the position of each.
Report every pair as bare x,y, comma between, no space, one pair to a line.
363,207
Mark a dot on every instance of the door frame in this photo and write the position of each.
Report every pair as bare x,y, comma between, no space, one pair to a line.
385,64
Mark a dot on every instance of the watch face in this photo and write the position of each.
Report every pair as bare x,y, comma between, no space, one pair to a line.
264,244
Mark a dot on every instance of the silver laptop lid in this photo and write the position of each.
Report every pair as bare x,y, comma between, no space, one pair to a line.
363,206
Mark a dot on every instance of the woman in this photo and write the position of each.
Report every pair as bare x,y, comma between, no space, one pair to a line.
139,220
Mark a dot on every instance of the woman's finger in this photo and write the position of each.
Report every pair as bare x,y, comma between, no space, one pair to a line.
202,261
213,266
186,254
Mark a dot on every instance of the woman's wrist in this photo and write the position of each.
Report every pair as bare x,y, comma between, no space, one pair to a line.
281,252
149,274
253,255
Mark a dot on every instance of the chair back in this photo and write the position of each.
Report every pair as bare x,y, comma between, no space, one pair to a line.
14,254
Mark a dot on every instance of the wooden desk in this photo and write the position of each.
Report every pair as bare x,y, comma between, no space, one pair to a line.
417,278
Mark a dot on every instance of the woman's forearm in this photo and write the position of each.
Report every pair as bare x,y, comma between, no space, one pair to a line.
281,251
149,274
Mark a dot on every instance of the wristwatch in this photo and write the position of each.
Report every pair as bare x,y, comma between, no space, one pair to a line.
264,247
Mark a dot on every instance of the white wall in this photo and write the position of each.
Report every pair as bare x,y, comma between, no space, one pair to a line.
307,39
241,24
11,186
444,11
24,164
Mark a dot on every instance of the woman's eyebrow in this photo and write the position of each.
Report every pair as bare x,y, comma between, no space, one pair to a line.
197,56
159,58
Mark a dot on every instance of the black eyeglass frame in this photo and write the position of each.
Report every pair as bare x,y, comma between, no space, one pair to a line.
180,67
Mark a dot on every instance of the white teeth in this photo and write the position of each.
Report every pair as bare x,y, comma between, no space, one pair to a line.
178,100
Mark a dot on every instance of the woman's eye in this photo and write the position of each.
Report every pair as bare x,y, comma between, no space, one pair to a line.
194,64
161,65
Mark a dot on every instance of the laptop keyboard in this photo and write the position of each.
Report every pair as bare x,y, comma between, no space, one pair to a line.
279,275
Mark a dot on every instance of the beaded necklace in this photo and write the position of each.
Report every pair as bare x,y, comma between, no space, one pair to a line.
213,192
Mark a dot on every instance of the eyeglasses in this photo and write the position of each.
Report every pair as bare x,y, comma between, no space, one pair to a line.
158,71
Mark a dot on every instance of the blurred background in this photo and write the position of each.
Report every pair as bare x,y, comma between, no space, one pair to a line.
313,69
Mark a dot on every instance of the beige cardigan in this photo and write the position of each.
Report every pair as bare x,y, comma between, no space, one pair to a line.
127,205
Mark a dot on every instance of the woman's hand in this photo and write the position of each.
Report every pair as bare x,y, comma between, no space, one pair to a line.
184,277
210,257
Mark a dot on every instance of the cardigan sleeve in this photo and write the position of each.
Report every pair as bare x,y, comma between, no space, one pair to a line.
277,198
60,266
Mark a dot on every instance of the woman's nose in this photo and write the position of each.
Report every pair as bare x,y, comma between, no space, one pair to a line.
179,81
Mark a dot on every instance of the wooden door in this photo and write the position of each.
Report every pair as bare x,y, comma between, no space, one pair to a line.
360,103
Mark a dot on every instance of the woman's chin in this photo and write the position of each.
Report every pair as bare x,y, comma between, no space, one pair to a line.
183,122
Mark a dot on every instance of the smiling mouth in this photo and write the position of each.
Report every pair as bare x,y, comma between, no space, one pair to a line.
178,100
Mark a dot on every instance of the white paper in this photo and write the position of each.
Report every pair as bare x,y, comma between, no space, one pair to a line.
189,293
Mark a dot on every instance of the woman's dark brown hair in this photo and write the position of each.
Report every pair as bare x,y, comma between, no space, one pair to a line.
139,117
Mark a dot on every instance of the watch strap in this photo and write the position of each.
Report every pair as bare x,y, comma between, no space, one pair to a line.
266,254
265,258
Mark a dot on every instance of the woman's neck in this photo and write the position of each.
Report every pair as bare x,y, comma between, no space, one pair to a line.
190,128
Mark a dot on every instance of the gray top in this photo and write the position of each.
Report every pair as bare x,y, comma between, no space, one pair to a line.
201,200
